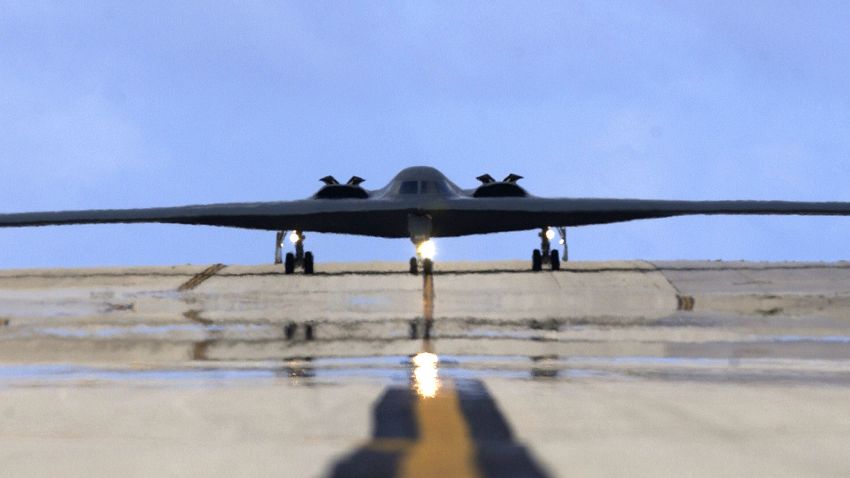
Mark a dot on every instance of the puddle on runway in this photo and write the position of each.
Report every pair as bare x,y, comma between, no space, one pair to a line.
169,331
52,375
475,348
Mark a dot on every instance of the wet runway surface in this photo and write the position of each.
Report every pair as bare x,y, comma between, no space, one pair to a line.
484,369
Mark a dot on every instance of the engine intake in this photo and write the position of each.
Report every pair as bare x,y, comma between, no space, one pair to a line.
334,190
507,187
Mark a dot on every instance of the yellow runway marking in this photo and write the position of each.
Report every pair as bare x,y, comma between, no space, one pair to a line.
389,445
445,447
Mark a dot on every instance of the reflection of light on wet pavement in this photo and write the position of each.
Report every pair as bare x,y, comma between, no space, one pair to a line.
444,446
426,379
427,306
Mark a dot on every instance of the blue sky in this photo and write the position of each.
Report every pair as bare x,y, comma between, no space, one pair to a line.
134,104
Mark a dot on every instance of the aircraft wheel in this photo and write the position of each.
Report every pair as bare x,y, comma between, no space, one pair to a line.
289,263
536,260
555,261
308,262
428,267
289,330
414,267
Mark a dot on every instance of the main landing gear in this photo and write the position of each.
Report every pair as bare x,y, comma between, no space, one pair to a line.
545,255
301,259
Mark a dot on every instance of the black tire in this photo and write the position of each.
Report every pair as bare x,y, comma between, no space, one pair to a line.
289,263
414,266
536,260
427,267
289,330
308,262
555,261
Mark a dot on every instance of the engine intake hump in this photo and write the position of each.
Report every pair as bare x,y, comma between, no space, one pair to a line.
507,187
334,190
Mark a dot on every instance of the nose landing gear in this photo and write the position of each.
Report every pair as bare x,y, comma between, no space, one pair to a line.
545,255
301,259
419,227
427,266
426,263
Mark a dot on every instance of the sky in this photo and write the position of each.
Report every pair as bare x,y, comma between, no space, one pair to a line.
138,104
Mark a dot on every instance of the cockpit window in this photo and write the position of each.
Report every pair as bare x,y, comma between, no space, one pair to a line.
431,187
423,187
409,187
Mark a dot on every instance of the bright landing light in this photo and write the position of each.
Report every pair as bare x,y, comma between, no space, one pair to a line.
427,249
293,237
425,377
550,234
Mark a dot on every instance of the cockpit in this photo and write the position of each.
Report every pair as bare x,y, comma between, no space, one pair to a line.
420,181
423,187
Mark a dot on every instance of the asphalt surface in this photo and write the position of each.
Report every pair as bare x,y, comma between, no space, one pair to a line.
483,369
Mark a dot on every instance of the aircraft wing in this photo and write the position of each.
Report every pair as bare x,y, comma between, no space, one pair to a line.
476,216
346,216
603,211
261,215
451,217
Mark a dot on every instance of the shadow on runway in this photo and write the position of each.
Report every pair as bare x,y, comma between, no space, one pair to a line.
437,427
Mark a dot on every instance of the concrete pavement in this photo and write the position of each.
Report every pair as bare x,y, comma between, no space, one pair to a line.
601,369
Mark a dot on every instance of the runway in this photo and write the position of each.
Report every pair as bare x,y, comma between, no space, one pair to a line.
483,369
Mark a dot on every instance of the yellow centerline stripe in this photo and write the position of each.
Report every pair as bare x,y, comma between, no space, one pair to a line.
389,445
445,446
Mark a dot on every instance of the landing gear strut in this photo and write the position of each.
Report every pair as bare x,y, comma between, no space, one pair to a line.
278,247
546,255
301,259
562,231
